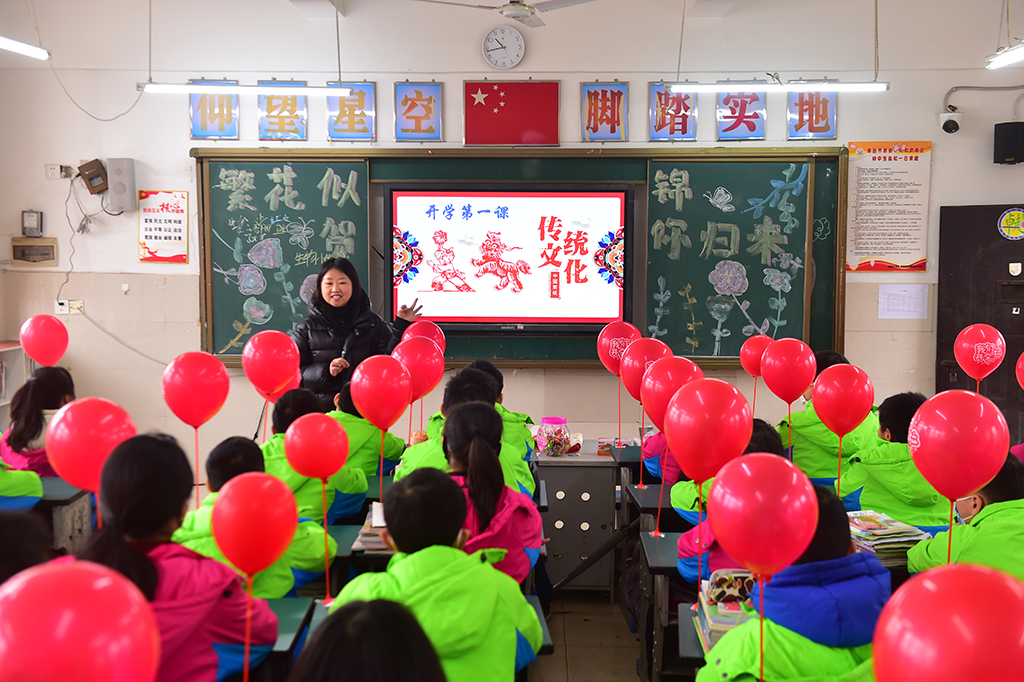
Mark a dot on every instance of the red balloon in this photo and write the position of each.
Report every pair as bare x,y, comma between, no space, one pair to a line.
76,621
661,381
270,360
707,423
316,445
788,367
752,351
82,435
294,383
930,631
843,396
254,520
979,349
44,338
1020,370
637,359
613,341
752,498
195,387
959,441
381,390
428,329
423,361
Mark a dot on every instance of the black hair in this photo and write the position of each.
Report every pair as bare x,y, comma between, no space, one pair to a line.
26,542
423,509
765,438
144,484
468,385
494,372
832,536
356,644
472,439
896,412
47,388
826,358
345,266
231,457
292,405
345,403
1007,485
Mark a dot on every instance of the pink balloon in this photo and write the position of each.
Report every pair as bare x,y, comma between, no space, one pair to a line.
381,390
270,360
612,343
788,367
44,338
843,397
82,435
316,445
661,381
294,383
979,349
427,329
254,520
752,351
195,387
424,361
636,360
707,423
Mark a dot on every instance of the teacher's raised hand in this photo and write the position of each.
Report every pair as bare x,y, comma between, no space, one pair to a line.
410,313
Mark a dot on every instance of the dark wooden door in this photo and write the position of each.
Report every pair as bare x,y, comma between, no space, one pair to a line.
977,284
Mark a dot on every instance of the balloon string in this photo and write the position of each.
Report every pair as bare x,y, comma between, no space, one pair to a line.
978,391
248,628
661,500
196,429
760,611
640,485
700,532
949,545
789,423
382,465
839,472
618,383
753,407
327,550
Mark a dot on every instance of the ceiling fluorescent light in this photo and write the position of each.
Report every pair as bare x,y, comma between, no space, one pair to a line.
236,89
1005,56
24,48
791,86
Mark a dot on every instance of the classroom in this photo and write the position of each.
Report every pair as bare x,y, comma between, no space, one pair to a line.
84,104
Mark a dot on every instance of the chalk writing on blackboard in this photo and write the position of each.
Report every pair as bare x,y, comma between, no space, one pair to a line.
661,297
779,197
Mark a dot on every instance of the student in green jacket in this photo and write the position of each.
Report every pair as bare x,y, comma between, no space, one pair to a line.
992,530
346,490
815,448
885,478
302,561
364,449
19,489
476,617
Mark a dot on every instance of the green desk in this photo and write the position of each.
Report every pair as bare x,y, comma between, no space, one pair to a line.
373,486
547,647
293,615
690,650
67,510
542,496
344,536
658,560
319,616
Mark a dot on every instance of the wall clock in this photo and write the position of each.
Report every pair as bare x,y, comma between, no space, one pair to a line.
503,47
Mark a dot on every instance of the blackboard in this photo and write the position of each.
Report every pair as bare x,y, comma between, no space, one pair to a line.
268,226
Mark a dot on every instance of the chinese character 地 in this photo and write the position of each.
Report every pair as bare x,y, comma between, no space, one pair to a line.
812,112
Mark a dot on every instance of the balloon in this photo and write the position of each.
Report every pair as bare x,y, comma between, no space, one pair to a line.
979,349
381,390
788,368
428,329
316,445
637,359
1020,370
82,435
612,343
76,621
843,396
423,361
661,381
752,351
707,423
270,360
44,338
195,387
959,441
254,520
930,631
294,383
753,498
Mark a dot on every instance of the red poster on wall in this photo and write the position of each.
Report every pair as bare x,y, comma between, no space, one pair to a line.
163,227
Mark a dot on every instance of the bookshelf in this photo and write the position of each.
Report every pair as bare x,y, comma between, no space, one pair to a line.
14,368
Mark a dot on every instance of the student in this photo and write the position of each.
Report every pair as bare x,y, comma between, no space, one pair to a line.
885,478
497,517
19,489
364,437
199,603
815,448
477,618
302,562
26,542
346,490
820,613
659,460
991,531
356,643
23,446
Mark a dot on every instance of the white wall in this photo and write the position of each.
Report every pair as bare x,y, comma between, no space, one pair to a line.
100,52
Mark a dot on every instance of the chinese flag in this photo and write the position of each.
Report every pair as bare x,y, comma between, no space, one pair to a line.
509,113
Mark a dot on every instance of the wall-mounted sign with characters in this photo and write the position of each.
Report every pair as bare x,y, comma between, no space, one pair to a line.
1011,224
163,227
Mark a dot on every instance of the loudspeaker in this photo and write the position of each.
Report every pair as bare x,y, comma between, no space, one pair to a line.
1009,142
121,196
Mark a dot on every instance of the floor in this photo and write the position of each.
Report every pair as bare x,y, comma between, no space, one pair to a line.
592,641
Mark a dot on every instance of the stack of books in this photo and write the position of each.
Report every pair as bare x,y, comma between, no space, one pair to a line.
369,540
884,536
714,619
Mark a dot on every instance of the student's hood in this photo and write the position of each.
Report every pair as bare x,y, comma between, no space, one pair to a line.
892,466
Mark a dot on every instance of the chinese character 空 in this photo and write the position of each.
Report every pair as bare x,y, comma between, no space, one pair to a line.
739,115
418,109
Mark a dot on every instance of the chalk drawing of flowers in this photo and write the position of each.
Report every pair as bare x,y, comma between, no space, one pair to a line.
661,310
787,261
729,278
300,234
779,281
256,311
719,306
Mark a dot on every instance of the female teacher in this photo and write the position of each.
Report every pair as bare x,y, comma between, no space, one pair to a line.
342,330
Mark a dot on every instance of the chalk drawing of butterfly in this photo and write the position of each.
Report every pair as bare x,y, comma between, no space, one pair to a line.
720,199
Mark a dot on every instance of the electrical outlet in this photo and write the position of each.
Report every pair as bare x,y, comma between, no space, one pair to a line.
77,307
53,171
61,307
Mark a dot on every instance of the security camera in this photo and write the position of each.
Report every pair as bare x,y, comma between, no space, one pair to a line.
950,120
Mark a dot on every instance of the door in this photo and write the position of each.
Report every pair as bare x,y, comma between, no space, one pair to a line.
980,280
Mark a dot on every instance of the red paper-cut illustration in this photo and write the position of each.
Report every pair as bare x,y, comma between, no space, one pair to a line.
492,263
442,266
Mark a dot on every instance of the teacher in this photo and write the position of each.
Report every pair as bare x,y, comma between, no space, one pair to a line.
341,330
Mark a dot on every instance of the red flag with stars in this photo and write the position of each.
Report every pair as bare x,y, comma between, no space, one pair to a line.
511,113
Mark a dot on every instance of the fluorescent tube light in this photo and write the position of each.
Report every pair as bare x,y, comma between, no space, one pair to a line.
236,89
1005,57
791,86
24,48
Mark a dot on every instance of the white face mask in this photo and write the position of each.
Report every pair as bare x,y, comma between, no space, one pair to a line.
961,520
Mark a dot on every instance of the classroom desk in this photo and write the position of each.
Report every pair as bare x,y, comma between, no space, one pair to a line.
542,496
373,489
344,536
68,512
547,646
293,615
690,651
658,558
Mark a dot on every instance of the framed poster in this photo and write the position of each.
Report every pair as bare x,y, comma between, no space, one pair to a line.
740,116
213,117
811,116
353,118
417,112
283,117
672,116
605,112
163,227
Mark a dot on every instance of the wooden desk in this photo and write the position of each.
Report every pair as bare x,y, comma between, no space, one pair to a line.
658,559
68,512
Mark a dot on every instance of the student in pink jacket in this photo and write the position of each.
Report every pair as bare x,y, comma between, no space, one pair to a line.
23,446
659,460
199,603
497,517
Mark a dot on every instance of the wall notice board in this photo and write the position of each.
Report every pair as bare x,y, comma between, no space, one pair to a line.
727,242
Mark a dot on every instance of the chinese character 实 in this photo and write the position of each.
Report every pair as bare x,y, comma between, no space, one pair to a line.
604,107
283,190
670,233
812,111
282,114
339,238
351,114
711,240
333,188
739,115
675,185
421,104
672,112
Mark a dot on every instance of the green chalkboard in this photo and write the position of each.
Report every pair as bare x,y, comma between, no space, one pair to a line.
268,227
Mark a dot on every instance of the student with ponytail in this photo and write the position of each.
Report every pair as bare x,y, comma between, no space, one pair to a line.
199,603
23,446
497,517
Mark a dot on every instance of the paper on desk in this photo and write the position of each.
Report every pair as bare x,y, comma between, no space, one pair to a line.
378,515
902,301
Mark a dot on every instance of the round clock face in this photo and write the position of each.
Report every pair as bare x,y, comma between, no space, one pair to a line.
503,47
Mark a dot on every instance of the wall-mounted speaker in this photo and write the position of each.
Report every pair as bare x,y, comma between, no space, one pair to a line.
1009,142
121,194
